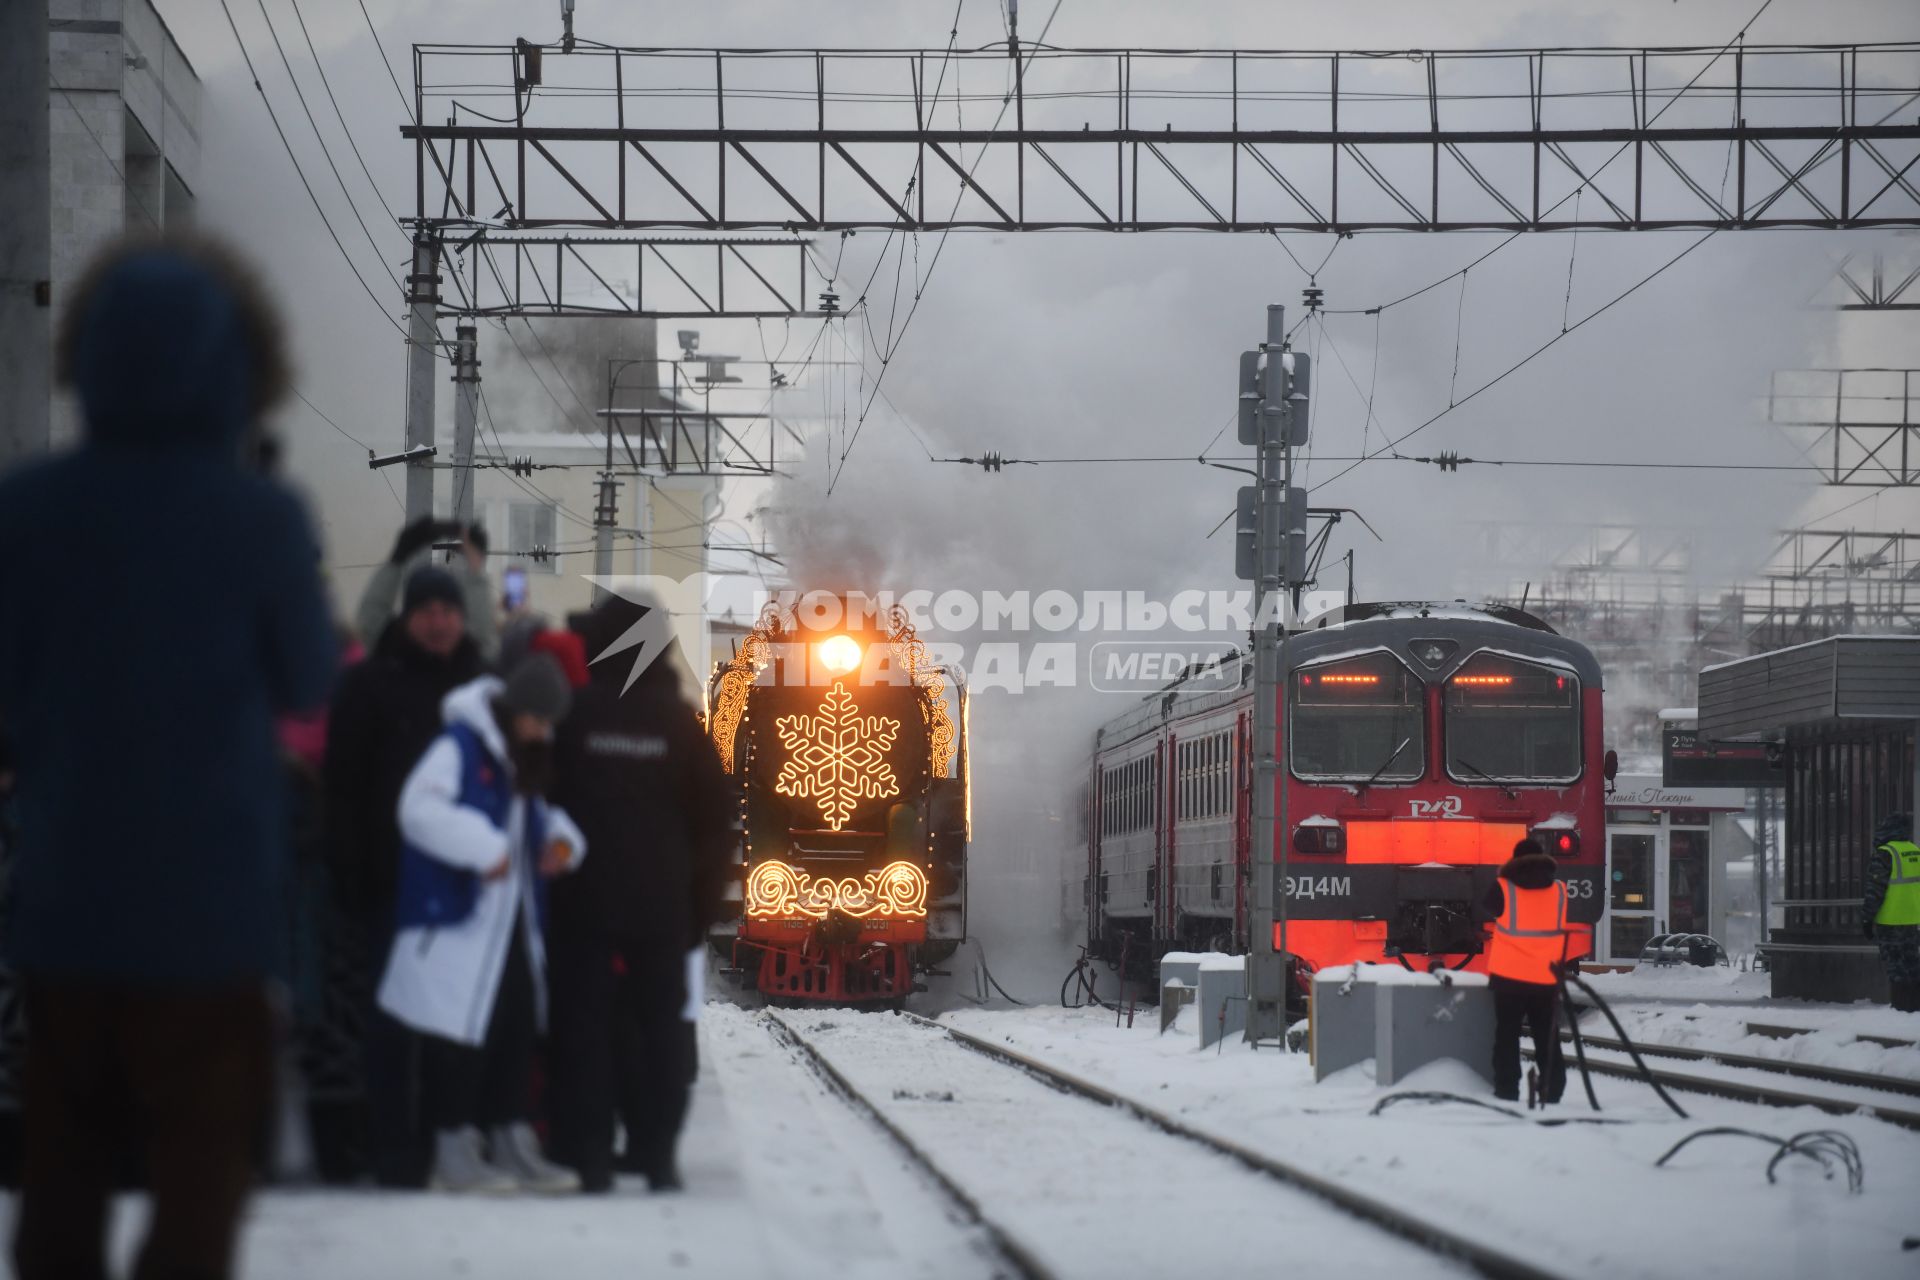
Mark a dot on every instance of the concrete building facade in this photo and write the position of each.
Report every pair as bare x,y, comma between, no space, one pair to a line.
123,149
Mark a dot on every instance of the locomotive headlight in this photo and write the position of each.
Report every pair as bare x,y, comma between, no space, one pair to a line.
839,654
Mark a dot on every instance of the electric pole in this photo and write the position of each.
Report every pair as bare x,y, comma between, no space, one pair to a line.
423,340
1271,549
466,406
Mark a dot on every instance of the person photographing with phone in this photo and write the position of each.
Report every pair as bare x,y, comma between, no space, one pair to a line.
468,965
382,599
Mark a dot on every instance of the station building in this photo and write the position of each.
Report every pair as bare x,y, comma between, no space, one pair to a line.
123,138
1668,854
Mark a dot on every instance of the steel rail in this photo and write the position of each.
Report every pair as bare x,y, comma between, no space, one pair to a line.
1747,1091
1802,1070
1372,1209
1017,1254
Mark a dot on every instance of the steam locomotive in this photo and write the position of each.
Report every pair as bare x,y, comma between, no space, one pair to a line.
1418,743
848,752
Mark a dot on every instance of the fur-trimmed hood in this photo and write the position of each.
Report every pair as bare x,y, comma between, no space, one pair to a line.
1530,870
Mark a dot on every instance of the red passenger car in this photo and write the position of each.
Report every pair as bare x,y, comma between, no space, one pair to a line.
1418,743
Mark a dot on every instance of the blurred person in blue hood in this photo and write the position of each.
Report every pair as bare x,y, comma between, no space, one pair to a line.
163,604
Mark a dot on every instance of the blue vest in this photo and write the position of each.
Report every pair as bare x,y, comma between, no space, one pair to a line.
431,892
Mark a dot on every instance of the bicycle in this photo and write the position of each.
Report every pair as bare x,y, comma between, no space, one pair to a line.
1077,990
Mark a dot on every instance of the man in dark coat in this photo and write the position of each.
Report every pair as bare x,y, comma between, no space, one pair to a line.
636,771
163,603
386,714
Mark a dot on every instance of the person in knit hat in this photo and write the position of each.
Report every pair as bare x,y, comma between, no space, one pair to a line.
385,715
413,551
467,970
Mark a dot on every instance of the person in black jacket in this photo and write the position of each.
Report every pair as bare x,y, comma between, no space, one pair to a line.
1531,999
384,717
638,775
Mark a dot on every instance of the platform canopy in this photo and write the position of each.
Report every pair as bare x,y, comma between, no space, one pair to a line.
1836,679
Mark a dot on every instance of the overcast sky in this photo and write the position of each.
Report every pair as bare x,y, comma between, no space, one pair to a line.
1066,345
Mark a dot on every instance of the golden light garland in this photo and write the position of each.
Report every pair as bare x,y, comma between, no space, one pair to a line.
777,891
838,757
933,698
737,677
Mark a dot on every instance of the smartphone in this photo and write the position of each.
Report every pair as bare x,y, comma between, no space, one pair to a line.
514,588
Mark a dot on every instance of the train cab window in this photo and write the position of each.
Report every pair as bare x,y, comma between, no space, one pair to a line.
1509,720
1358,718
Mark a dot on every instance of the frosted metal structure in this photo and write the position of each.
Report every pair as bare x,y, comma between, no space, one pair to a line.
1160,139
1857,427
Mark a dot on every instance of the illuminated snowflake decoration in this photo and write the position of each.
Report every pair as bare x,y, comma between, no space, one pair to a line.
837,758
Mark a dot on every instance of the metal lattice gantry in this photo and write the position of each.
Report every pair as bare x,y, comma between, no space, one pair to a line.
1874,283
1139,140
1857,427
495,273
1625,587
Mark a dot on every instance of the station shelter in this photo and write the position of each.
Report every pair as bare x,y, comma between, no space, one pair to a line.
1843,713
1667,855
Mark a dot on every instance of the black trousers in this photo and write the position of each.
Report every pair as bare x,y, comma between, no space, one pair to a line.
388,1137
492,1084
189,1074
1532,1003
618,1046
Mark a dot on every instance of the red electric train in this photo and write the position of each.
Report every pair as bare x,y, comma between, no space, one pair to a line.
1418,743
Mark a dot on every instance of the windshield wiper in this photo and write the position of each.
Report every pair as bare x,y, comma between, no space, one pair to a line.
1468,764
1386,764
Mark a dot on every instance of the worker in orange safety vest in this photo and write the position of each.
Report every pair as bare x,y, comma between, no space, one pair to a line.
1529,944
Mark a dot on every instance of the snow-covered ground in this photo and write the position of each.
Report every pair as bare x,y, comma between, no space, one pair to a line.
1087,1189
1702,1008
1581,1200
784,1178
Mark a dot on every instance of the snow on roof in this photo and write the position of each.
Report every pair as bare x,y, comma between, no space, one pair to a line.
1808,644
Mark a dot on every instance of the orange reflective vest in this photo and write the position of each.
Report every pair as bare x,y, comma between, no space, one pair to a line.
1530,937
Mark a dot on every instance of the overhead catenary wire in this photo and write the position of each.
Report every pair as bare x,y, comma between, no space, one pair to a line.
886,359
1525,360
1584,179
327,84
120,173
1450,461
307,186
326,152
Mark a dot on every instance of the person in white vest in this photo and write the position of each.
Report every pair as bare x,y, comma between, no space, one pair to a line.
467,968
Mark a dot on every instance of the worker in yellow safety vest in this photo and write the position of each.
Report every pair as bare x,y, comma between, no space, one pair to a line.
1890,910
1529,943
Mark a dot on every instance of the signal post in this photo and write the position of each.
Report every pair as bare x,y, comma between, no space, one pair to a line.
1270,549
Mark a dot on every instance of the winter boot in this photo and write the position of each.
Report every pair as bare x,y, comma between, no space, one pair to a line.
517,1150
458,1165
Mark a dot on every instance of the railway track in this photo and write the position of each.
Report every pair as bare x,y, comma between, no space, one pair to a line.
968,1110
1883,1096
1799,1070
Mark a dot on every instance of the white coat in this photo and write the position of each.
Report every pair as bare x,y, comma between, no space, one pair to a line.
442,979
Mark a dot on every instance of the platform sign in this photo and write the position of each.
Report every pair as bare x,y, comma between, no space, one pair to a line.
1689,759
